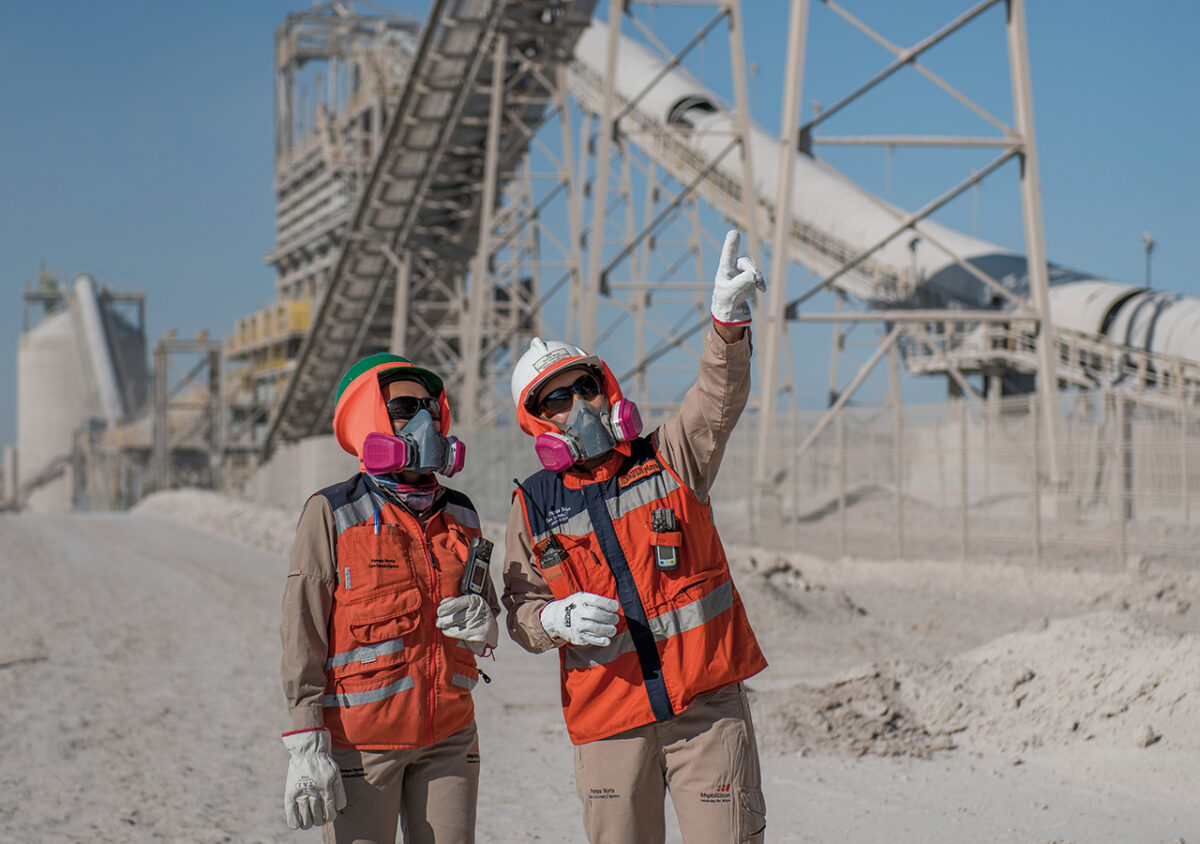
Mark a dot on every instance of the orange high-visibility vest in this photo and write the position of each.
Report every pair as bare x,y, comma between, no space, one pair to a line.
682,632
393,679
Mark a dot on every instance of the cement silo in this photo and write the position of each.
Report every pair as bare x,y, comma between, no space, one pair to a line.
78,369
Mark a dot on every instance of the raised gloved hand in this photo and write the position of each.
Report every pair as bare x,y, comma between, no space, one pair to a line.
468,617
314,794
735,283
582,619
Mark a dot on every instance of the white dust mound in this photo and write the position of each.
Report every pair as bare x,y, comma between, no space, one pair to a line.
1104,677
268,528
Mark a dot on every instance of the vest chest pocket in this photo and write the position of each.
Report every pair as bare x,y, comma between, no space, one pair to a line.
585,569
695,562
449,548
368,560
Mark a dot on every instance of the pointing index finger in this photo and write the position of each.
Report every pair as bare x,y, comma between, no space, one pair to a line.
733,242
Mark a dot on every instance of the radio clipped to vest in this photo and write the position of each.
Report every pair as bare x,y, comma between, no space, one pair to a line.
666,539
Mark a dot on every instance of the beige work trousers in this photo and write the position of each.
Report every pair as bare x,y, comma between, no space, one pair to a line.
706,757
431,791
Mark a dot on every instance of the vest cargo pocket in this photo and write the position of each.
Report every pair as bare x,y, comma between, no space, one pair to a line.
383,615
371,686
675,592
377,626
751,815
464,673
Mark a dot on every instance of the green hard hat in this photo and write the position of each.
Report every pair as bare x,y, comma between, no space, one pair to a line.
405,370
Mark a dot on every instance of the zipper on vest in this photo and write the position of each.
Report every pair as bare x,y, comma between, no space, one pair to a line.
433,640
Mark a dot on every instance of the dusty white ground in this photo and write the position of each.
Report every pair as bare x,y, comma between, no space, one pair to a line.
906,701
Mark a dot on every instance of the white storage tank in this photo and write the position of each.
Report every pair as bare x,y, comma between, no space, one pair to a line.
54,399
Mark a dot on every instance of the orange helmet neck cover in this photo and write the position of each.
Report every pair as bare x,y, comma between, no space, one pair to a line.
361,410
559,448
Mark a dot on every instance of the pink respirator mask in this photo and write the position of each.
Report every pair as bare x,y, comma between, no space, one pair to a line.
422,450
383,454
588,433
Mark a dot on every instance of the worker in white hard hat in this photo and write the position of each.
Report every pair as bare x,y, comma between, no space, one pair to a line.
612,559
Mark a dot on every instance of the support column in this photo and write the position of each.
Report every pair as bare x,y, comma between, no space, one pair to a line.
578,291
480,275
741,112
896,401
608,128
963,491
399,340
217,455
160,469
1035,495
841,449
1035,244
775,340
835,352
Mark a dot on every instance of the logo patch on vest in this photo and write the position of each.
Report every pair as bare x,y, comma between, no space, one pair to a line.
558,516
638,472
382,563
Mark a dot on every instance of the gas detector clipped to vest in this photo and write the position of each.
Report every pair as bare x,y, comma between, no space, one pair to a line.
475,573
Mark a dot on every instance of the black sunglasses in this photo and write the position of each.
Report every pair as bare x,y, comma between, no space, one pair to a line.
406,407
556,401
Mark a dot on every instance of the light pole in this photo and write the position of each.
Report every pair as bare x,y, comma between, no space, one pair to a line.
1149,241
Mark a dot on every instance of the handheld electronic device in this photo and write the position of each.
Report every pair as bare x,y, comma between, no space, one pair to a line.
475,575
662,521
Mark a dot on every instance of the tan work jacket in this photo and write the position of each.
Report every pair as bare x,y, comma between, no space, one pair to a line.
692,443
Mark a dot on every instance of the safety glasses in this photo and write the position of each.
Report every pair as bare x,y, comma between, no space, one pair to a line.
406,407
556,401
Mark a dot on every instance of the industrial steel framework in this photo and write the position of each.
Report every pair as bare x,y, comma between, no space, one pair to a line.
478,90
1015,141
521,188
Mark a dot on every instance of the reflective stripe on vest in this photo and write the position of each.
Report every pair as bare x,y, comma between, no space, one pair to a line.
464,681
580,524
354,512
369,696
639,495
463,515
664,626
367,653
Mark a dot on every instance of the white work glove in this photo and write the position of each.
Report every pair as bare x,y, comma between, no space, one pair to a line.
582,619
735,283
468,617
314,793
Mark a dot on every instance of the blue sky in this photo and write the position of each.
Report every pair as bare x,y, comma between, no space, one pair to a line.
137,141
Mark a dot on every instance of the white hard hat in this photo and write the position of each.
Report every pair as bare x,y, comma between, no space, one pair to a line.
541,360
